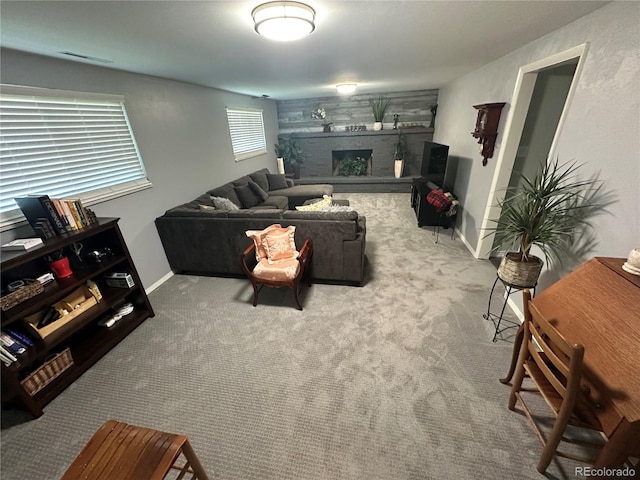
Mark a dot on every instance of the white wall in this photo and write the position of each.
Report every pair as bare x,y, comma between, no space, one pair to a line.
182,134
602,128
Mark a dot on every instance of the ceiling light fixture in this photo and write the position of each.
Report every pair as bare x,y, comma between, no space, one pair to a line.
346,88
284,21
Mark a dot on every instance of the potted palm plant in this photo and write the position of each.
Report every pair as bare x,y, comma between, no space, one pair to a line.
550,211
292,155
379,106
400,152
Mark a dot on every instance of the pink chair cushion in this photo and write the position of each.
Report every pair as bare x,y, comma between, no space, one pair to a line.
257,237
281,270
279,243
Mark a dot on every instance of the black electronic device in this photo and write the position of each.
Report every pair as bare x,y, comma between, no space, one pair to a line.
435,158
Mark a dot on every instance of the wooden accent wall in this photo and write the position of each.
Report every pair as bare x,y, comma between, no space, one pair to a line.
413,108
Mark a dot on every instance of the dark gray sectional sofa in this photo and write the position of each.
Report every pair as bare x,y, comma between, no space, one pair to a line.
198,239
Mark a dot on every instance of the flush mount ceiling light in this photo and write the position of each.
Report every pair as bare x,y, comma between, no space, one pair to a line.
284,21
346,88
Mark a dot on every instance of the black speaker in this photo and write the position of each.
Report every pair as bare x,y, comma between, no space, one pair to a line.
434,162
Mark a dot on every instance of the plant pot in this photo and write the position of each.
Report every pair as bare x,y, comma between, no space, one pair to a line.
519,273
377,126
398,167
296,171
61,268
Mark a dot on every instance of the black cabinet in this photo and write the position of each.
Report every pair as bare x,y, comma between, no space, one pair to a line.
67,347
426,214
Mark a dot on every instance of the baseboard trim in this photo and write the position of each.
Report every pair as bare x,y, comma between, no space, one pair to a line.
159,282
466,243
516,310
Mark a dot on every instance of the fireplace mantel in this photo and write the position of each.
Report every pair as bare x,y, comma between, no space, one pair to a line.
366,133
317,149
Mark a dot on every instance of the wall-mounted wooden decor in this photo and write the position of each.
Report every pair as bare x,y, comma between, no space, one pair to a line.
487,128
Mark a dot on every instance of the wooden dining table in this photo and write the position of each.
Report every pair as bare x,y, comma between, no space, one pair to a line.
598,306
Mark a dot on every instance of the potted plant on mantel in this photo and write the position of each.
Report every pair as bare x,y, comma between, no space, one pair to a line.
550,211
379,106
400,152
292,155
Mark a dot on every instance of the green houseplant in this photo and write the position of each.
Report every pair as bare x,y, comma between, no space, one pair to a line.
291,153
379,107
550,211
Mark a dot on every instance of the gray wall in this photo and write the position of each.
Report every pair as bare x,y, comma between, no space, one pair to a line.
181,131
602,128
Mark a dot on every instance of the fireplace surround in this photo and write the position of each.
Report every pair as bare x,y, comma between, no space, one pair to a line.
319,148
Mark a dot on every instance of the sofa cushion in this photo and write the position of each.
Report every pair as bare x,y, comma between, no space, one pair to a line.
226,191
256,212
276,201
259,191
247,196
222,203
276,181
244,180
260,177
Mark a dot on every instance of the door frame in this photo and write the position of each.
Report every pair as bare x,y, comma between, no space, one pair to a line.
520,101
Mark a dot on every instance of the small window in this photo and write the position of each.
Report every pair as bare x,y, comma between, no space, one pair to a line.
247,133
64,144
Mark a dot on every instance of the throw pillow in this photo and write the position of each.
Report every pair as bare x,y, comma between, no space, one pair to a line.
256,236
438,200
314,207
280,244
257,189
247,196
277,181
222,203
205,208
260,177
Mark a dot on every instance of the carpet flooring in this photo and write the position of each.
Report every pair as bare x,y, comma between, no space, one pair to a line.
395,380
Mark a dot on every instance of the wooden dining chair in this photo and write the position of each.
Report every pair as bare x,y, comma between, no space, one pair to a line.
118,451
554,366
291,272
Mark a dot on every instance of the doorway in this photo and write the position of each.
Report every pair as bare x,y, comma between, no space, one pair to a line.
545,108
540,101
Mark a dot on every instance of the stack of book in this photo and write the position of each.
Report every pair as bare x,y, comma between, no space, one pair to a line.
12,345
55,216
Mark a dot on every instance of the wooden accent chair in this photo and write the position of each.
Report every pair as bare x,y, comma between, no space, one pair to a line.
118,451
555,370
285,273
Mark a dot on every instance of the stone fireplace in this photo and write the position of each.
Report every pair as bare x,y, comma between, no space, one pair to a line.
351,162
323,157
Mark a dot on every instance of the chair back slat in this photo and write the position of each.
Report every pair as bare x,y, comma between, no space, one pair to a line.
560,362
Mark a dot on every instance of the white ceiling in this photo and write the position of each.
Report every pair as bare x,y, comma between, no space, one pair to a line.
380,45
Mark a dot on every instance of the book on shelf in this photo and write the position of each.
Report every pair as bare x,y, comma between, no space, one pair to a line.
6,355
22,244
19,337
50,217
11,345
40,208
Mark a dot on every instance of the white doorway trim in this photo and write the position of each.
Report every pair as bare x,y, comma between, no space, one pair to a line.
525,83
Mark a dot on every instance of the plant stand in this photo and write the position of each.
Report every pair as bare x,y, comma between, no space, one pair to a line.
498,319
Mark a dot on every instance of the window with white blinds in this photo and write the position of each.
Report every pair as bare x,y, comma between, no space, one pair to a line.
246,127
65,144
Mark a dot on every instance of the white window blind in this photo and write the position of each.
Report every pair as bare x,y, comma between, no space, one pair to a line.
246,127
65,144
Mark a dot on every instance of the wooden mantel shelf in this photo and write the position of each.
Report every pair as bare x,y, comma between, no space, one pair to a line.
366,133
